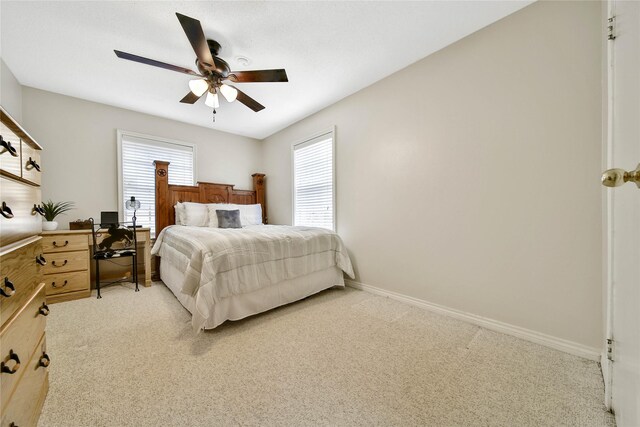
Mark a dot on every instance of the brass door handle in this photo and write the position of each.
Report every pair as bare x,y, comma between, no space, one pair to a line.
617,177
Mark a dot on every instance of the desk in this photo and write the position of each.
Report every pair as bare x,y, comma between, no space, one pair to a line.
143,235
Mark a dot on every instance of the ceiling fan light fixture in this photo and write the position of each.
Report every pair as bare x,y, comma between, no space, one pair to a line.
212,100
229,93
198,86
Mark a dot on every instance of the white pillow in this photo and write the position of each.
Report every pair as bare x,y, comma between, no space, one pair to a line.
180,213
213,217
195,214
249,214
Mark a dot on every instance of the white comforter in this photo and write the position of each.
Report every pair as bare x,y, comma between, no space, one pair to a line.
235,261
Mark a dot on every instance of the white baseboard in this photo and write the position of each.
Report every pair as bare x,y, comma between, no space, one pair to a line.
494,325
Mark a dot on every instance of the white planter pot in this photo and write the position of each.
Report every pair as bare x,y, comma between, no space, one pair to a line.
49,225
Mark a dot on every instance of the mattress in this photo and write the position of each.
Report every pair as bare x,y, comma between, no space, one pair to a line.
238,307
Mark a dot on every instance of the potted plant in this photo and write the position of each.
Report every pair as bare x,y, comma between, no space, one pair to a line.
51,211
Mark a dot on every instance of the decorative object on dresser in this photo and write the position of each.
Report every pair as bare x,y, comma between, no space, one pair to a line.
80,224
51,211
24,377
66,274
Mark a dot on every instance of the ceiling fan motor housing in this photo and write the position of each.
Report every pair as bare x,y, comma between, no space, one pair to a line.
222,68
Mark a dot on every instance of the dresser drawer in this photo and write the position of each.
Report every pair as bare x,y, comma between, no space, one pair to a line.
20,268
9,162
20,337
26,403
61,262
67,282
30,163
65,243
20,198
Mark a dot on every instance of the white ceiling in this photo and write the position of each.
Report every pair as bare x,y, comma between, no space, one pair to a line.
329,49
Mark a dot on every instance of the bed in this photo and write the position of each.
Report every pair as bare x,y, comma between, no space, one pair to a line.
228,274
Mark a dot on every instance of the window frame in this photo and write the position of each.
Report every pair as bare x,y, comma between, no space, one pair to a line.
151,138
307,141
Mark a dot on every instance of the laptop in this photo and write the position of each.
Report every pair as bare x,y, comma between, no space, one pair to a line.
108,219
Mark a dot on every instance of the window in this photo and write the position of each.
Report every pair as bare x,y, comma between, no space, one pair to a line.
136,154
314,182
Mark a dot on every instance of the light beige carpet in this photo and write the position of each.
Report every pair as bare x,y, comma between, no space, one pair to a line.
343,357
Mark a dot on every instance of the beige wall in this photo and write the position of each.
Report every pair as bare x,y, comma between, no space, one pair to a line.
79,157
470,179
10,92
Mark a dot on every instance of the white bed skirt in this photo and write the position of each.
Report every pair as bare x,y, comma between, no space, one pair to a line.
238,307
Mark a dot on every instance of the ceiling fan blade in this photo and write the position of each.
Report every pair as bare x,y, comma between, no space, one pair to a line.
193,30
154,63
190,98
248,101
259,76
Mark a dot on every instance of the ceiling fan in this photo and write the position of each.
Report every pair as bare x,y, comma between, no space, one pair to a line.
213,70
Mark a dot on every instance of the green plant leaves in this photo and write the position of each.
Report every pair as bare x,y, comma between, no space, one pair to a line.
52,210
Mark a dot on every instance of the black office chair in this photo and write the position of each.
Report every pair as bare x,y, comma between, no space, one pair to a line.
115,241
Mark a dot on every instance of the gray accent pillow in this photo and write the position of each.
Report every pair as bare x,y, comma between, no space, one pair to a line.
228,219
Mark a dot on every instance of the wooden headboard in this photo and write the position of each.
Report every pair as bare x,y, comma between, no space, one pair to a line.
167,195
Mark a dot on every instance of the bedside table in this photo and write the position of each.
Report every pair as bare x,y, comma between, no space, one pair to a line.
66,274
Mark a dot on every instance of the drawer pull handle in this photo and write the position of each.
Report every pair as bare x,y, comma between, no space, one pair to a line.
6,369
33,164
7,145
37,209
6,211
44,310
53,284
44,360
8,284
63,264
40,260
56,245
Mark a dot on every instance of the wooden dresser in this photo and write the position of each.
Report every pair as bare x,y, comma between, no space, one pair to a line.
66,275
23,354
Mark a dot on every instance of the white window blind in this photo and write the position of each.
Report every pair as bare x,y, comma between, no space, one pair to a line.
313,183
138,173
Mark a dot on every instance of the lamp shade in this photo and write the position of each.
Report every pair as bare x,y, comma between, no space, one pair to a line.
198,86
212,100
132,204
229,93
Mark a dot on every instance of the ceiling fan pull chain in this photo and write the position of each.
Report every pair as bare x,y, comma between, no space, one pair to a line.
214,115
